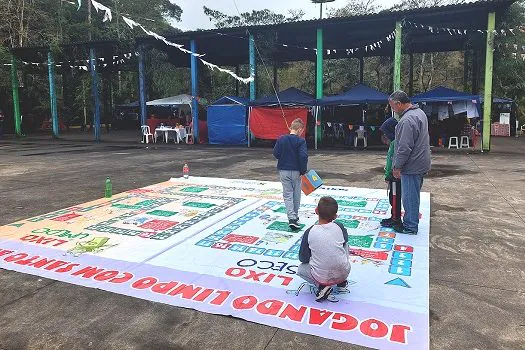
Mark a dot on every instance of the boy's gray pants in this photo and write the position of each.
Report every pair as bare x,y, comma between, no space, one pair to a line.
291,181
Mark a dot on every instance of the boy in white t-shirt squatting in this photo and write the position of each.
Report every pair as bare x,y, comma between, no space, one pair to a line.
324,251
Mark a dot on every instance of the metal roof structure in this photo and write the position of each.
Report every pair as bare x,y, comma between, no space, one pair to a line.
229,46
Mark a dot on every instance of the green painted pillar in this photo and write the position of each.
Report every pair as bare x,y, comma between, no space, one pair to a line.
52,93
319,83
489,65
397,57
253,67
16,99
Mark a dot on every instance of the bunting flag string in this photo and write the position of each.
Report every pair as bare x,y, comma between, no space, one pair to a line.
133,24
456,31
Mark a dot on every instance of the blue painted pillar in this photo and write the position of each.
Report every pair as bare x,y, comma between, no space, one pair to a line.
194,92
52,93
96,97
142,87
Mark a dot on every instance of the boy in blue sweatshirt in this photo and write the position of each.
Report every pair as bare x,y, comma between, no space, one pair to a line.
292,161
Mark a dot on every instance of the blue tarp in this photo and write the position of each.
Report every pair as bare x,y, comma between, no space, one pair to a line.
359,94
288,97
227,121
443,94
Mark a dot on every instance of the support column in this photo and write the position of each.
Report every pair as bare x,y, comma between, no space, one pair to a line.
237,83
142,87
52,93
475,72
194,92
466,56
319,82
16,100
397,57
96,97
275,76
253,73
411,76
361,70
253,68
489,61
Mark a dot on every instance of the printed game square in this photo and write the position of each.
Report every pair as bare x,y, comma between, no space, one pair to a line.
158,225
199,205
282,226
241,239
194,189
164,213
66,217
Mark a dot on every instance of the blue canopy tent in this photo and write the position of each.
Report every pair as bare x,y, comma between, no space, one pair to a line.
227,121
358,95
443,94
289,97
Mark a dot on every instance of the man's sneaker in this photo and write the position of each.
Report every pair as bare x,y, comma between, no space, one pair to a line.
294,225
387,222
409,232
398,227
323,293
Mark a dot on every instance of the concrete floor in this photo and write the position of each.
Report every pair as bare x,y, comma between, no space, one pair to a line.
477,253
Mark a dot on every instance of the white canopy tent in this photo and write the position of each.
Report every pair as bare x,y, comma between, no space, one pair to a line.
171,101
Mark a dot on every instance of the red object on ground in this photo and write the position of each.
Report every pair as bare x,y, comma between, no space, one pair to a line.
268,123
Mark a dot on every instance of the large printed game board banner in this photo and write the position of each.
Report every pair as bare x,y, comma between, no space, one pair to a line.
223,246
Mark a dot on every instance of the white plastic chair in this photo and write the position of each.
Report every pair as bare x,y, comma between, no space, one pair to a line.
360,134
189,134
465,142
146,133
455,144
522,129
339,131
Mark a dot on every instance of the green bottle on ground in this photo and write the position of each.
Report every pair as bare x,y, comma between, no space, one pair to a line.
109,188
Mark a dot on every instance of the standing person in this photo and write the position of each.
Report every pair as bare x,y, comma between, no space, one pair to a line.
292,161
412,156
2,117
394,185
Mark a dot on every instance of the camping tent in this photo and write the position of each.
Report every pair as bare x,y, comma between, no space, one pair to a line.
227,121
359,94
271,116
443,94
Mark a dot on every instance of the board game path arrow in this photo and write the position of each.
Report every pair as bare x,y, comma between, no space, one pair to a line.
398,282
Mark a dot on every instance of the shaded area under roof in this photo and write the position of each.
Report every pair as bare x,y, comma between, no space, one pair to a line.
290,96
359,94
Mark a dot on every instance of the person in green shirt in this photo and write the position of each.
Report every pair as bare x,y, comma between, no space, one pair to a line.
394,185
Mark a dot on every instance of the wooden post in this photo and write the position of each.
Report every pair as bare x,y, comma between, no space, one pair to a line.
397,57
16,98
142,87
411,75
96,96
194,92
361,70
489,62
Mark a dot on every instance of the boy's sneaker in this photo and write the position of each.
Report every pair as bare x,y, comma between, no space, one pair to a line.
343,284
323,293
387,222
409,232
294,225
